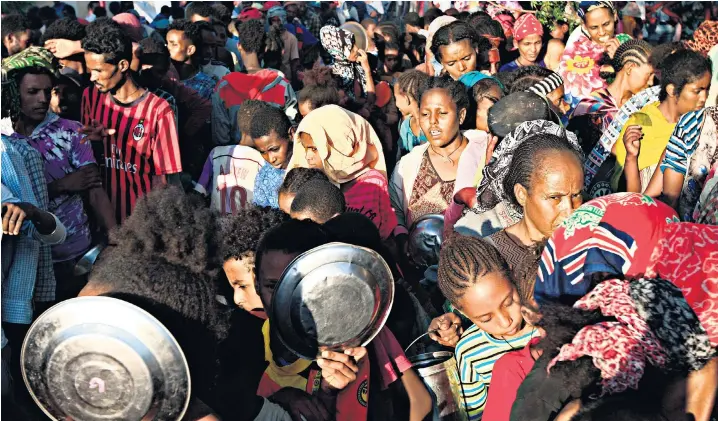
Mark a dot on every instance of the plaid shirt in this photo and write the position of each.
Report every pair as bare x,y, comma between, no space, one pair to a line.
202,83
313,22
31,275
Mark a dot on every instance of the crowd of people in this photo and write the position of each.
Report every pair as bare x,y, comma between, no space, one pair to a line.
569,148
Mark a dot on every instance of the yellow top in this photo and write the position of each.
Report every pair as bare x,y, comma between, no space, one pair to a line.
654,142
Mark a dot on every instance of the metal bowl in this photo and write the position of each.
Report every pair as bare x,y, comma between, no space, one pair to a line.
425,238
361,39
100,358
333,297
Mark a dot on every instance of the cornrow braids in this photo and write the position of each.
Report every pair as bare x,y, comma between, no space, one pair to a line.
632,51
529,157
454,32
413,82
463,261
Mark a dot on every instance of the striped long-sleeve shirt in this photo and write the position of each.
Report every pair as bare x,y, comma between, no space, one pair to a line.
476,354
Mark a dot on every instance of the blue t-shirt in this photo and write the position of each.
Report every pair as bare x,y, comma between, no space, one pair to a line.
407,139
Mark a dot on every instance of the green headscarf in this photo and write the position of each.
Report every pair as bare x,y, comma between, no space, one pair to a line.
37,57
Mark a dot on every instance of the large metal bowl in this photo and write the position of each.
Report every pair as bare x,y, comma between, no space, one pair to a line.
361,39
425,238
333,297
100,358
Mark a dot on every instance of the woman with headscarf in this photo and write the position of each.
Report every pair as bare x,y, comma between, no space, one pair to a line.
276,20
511,125
629,236
350,64
581,63
347,149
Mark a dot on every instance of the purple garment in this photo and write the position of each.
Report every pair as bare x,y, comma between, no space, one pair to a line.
58,141
514,65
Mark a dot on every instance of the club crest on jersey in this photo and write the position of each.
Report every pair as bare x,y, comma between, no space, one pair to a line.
139,130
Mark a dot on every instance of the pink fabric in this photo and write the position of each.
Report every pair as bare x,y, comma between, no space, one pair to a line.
391,359
527,25
368,195
130,24
509,371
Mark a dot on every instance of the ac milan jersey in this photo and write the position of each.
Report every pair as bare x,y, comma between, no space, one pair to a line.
144,144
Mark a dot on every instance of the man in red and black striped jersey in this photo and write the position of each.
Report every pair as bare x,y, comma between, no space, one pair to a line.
137,127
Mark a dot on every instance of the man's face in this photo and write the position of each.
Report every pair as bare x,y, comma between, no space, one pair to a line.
292,12
209,45
18,41
35,93
66,101
391,60
105,76
180,47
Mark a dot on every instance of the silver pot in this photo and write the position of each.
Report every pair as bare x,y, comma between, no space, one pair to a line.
100,358
334,297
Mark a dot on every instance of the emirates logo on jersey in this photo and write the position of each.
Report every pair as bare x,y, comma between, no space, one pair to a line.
139,130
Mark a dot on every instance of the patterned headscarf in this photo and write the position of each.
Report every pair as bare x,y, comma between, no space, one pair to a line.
704,37
491,189
654,324
527,25
585,7
339,44
30,57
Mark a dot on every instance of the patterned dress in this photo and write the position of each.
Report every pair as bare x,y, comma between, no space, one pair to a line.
431,194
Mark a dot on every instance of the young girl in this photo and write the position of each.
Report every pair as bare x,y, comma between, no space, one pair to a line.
476,280
407,91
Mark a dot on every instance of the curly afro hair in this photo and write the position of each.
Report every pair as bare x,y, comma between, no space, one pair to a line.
159,259
106,37
239,234
246,114
252,36
320,76
191,31
271,119
200,8
170,225
319,199
14,23
65,28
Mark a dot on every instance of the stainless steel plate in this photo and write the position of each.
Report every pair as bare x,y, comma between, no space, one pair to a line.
100,358
335,296
361,39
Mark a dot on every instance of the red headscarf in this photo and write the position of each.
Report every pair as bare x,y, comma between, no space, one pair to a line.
527,25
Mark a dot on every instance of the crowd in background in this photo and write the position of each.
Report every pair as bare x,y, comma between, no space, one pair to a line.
569,148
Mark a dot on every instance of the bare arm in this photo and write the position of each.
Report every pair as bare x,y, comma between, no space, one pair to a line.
701,391
419,399
672,185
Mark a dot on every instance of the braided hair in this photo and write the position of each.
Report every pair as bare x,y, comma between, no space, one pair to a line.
463,261
413,82
632,51
452,33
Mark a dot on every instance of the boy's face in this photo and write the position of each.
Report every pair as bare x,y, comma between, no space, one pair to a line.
180,47
65,100
240,274
285,202
274,262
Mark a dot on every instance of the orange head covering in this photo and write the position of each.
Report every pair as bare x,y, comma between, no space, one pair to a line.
346,143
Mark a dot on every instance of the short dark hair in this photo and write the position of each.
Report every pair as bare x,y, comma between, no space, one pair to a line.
247,111
271,119
91,6
681,68
413,19
431,15
221,13
99,11
191,31
204,26
319,96
165,10
47,13
252,36
14,23
292,237
65,28
482,87
69,11
239,234
201,8
115,7
322,199
456,90
153,51
451,33
106,37
297,177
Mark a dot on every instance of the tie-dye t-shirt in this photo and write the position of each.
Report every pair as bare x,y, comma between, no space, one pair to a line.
59,142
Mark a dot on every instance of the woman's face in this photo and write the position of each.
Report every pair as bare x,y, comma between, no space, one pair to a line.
353,53
493,304
458,58
438,117
640,77
275,149
240,273
556,98
694,95
530,48
484,105
554,193
310,151
600,25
